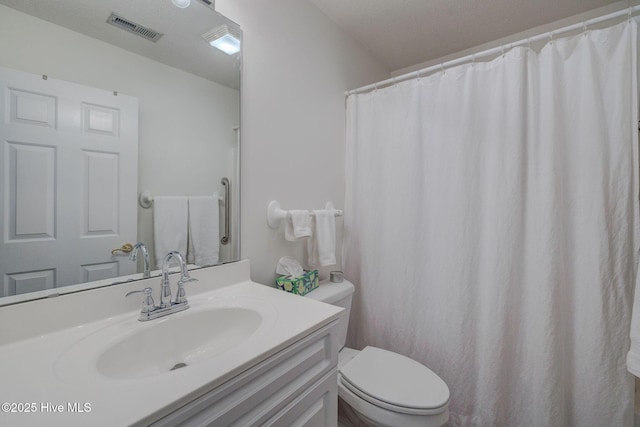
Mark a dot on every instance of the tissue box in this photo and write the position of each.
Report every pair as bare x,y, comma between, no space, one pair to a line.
301,285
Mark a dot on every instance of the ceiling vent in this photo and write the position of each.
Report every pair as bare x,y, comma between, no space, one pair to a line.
132,27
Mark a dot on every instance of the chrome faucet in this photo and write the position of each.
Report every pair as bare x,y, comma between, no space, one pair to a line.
165,294
133,256
151,311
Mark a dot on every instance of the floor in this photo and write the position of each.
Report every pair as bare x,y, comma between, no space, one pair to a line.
346,416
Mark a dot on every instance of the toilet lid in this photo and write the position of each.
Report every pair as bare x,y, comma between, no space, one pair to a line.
381,376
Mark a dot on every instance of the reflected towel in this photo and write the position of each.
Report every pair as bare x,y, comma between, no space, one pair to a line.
321,247
204,230
169,226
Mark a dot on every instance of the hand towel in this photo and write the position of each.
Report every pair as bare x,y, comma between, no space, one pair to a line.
321,247
204,230
170,216
297,225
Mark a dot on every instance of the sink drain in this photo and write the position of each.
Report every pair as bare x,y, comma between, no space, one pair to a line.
178,366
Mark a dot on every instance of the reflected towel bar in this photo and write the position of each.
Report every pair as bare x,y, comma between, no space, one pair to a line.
145,199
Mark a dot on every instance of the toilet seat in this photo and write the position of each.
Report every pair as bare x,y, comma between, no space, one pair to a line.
394,382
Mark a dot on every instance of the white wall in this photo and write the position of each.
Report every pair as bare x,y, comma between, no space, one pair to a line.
296,67
180,114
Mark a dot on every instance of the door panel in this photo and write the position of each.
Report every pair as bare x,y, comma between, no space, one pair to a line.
101,193
31,188
100,120
22,283
100,271
32,108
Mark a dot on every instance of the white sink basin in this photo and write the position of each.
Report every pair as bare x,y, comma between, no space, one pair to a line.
176,343
132,350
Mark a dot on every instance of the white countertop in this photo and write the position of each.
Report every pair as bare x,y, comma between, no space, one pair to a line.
30,365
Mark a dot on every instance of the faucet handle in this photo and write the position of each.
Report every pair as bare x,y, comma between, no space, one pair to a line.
148,305
181,295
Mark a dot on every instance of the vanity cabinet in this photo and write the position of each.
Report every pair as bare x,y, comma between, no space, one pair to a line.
252,356
296,386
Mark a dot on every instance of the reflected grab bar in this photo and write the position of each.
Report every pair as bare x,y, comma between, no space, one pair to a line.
227,210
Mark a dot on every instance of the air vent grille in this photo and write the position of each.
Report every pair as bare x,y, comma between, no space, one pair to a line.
132,27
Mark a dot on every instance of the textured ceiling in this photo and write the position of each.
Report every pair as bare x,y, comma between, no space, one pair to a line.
402,33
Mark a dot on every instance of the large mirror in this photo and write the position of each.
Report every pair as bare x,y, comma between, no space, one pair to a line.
114,114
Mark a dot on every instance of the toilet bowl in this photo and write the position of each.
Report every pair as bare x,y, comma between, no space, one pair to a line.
383,388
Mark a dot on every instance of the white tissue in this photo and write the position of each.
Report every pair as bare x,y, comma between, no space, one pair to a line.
290,267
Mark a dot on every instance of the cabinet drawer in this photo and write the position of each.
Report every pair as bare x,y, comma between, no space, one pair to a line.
317,407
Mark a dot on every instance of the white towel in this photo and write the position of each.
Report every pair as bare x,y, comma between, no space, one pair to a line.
204,230
169,226
297,225
321,247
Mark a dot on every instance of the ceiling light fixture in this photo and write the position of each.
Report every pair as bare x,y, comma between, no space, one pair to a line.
224,38
181,3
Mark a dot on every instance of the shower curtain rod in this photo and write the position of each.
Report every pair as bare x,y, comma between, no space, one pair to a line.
447,64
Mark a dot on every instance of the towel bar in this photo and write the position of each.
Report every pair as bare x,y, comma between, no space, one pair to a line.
275,214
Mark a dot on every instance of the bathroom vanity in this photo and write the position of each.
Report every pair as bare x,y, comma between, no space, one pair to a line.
242,354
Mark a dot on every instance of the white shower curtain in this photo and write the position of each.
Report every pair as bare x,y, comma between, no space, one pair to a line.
491,229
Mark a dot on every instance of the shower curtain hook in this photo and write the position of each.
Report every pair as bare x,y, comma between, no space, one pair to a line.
630,13
473,60
442,68
550,37
585,28
502,48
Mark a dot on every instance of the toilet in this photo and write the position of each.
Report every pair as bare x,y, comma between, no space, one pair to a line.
383,388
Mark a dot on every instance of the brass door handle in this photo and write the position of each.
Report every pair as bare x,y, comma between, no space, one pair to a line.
125,249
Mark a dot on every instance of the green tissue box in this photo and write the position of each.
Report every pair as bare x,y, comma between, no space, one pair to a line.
300,285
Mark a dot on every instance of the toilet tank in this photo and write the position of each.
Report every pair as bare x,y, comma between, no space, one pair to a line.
339,294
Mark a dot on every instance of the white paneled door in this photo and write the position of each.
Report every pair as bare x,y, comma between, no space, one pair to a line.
68,187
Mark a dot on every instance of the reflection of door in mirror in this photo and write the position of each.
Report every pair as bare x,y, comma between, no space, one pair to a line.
64,145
